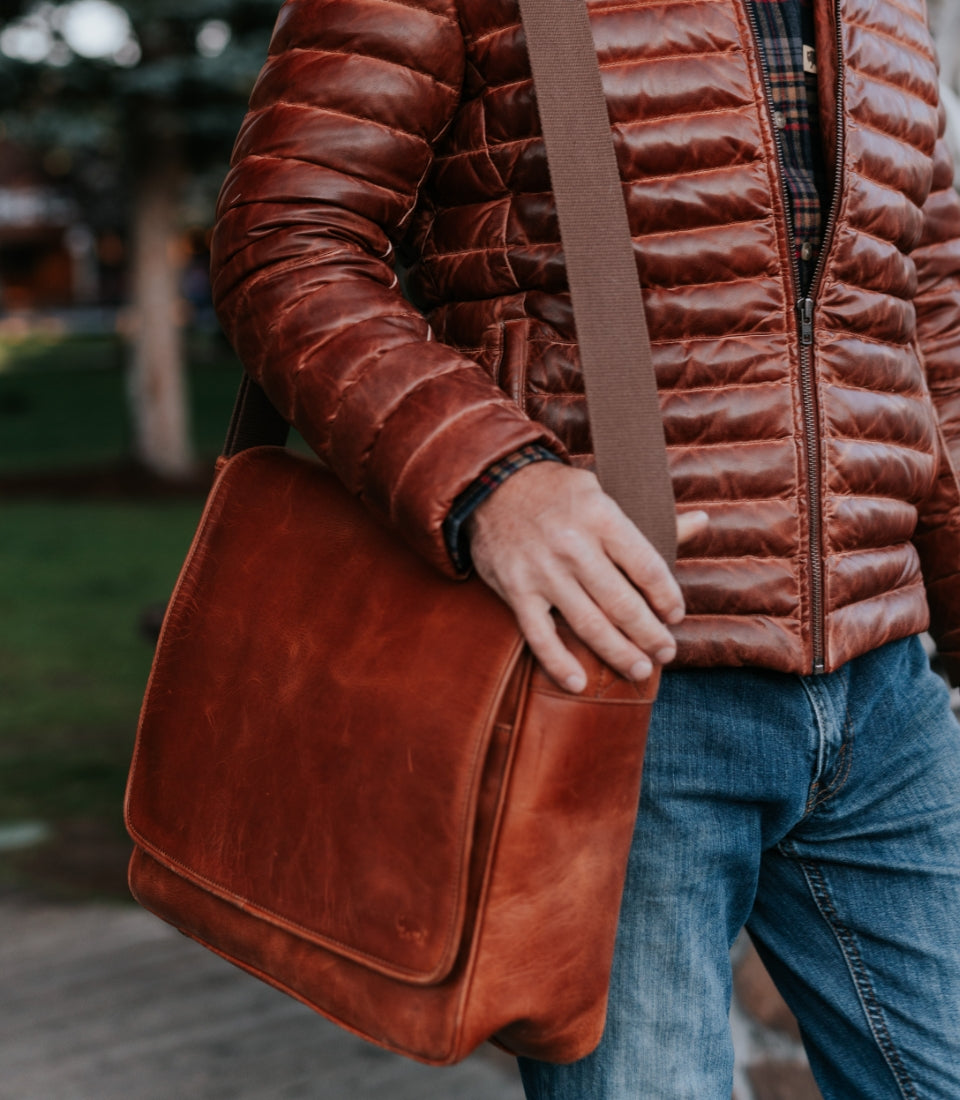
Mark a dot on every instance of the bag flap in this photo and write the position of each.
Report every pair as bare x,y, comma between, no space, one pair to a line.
317,719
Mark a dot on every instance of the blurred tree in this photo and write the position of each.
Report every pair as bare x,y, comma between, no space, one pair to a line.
149,94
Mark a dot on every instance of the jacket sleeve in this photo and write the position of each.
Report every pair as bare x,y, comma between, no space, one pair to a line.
324,179
937,259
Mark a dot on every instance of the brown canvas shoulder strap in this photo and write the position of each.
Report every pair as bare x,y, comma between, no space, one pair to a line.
612,333
602,273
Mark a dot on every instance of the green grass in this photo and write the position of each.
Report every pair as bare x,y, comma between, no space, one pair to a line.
56,351
74,580
63,400
75,577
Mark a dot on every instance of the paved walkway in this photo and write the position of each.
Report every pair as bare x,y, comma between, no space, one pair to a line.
104,1002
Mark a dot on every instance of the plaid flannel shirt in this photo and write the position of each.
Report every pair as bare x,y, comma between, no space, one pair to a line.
785,33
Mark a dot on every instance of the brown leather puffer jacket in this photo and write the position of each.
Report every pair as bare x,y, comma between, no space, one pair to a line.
805,429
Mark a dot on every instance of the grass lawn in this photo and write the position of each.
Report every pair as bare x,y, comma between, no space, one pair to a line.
75,576
63,400
74,580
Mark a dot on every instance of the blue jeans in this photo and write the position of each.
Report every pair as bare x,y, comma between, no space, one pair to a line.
823,813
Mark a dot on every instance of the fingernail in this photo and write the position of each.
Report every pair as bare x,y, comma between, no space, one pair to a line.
576,682
666,655
676,615
640,670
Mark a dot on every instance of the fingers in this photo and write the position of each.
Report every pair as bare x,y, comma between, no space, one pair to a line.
690,524
618,626
604,610
624,626
550,538
615,620
595,627
634,554
538,628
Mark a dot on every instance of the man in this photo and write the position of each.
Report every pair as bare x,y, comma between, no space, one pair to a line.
797,240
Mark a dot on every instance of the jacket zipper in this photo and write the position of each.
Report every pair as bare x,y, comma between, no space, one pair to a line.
805,308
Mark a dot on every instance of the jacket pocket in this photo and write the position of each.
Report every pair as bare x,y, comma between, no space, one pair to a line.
514,359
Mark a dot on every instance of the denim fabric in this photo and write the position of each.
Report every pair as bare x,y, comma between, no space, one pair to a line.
824,813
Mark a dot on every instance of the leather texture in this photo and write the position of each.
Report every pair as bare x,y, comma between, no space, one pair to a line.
828,470
371,797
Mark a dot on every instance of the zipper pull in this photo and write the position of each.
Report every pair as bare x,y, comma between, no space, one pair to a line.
805,312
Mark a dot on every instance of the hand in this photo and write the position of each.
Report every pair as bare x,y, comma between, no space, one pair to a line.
549,537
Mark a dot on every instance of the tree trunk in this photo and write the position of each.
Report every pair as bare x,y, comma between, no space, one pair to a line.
157,380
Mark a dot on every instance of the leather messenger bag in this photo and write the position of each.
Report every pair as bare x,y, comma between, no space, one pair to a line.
350,777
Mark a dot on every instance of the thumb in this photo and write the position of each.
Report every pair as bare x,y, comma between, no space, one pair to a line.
690,524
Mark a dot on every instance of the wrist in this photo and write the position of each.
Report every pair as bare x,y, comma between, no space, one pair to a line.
459,524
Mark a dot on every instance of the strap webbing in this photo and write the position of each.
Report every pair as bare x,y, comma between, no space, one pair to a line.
612,333
254,422
605,291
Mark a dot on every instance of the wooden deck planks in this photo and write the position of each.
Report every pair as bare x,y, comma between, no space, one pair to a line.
101,1002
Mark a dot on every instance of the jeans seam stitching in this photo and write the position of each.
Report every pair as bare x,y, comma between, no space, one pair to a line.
844,766
845,763
846,940
820,794
812,691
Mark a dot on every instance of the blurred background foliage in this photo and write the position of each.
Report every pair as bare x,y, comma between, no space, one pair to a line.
116,123
126,113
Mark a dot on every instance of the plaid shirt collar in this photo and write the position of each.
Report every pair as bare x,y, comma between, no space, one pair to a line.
785,33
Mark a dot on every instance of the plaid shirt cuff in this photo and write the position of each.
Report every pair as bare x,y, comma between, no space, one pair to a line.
454,533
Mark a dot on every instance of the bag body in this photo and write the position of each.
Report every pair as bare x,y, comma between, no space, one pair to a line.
352,780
